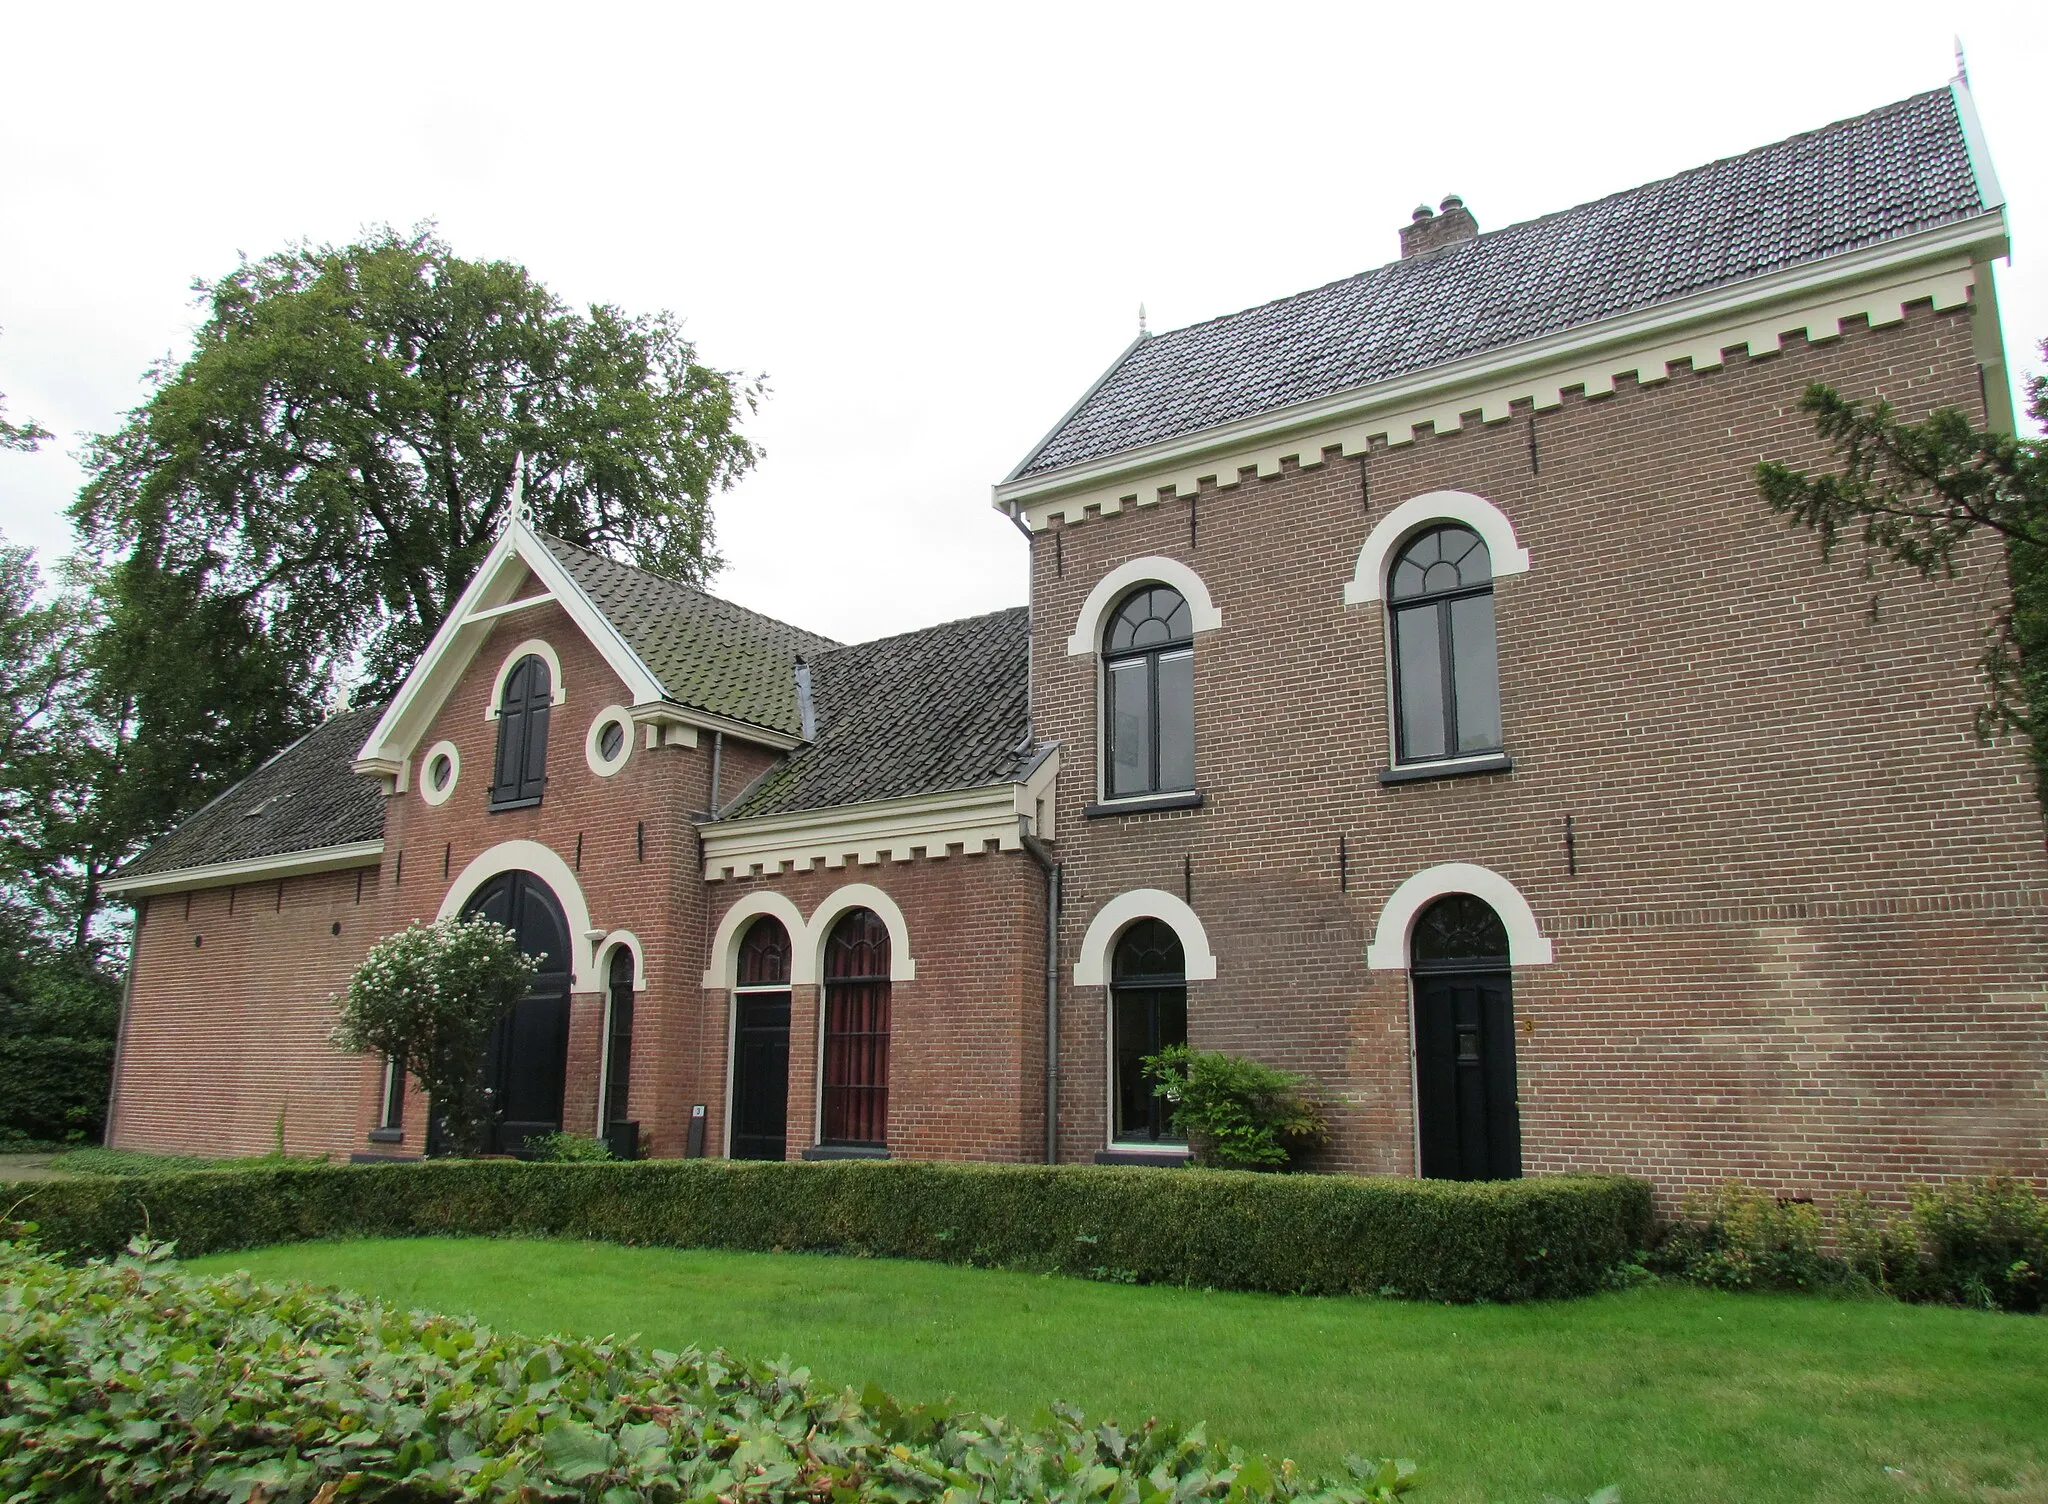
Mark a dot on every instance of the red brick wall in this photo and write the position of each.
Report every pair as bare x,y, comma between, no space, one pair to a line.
967,1036
228,1018
1804,939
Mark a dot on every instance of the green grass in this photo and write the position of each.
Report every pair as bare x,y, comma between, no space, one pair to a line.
1675,1393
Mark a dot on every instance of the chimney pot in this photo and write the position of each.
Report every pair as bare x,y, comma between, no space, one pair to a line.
1434,232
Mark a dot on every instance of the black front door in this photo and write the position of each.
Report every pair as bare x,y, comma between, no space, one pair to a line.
760,1075
529,1055
1465,1076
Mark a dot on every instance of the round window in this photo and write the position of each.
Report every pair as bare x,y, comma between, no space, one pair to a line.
440,771
611,741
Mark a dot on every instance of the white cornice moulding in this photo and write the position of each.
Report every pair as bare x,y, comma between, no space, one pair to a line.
224,874
1754,317
865,835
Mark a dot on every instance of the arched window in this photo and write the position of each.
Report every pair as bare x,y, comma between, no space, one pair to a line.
760,1054
1446,679
1468,1123
857,1032
523,735
618,1060
1148,681
1149,995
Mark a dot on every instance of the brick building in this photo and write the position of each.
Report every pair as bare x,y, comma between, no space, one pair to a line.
1415,693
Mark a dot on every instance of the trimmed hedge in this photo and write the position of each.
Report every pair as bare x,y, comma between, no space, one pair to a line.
1233,1230
56,1087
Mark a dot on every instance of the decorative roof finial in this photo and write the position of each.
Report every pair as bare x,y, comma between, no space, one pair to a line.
1962,68
521,512
1142,330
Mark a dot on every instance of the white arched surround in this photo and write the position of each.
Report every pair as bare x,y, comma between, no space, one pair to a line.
557,691
1527,945
857,896
723,972
531,856
601,962
1112,587
1091,966
1369,579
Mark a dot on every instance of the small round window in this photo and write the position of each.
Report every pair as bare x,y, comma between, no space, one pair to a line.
609,741
439,771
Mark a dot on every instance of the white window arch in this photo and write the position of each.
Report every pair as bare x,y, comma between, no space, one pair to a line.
1112,587
1527,945
854,896
1369,578
723,973
631,942
543,863
540,649
1091,965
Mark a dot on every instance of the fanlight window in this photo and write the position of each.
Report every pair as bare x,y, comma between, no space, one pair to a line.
764,954
522,771
1446,677
856,1105
1148,681
1149,995
1458,932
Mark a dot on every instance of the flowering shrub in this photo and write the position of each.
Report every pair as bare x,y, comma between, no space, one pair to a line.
130,1381
1237,1112
428,998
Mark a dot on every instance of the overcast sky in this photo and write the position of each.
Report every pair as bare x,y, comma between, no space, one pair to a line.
930,227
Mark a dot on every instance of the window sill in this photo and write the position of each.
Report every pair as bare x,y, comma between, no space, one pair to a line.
1161,1158
387,1135
846,1151
1463,767
1150,803
495,807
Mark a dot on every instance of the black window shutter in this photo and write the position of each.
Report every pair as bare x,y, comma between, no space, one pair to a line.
521,771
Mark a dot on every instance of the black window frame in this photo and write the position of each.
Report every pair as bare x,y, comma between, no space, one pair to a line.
519,776
618,1039
864,1102
1154,989
1110,658
1438,604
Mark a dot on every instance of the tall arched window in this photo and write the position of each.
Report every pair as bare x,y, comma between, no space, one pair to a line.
1446,678
1148,684
760,1038
1149,994
856,1077
618,1058
522,770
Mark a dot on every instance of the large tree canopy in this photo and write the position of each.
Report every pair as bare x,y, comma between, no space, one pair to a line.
1912,493
336,456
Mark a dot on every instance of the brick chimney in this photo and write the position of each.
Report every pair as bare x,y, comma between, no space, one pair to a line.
1432,231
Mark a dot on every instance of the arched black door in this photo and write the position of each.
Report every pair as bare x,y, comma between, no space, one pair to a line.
760,1060
529,1056
1470,1127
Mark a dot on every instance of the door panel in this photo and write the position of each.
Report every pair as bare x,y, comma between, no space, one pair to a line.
527,1069
760,1076
1470,1127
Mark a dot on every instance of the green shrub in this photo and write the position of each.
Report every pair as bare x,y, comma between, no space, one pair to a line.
130,1162
1237,1112
56,1086
1320,1234
131,1381
568,1148
1980,1241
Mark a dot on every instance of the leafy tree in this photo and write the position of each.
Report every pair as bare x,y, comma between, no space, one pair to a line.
337,454
428,997
26,435
1913,492
1237,1113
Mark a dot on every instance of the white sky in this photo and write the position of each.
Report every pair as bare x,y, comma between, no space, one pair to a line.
931,227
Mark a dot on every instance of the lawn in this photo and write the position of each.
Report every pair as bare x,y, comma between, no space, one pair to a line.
1674,1393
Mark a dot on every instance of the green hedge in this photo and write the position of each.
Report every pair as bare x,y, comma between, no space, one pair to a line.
56,1087
1321,1234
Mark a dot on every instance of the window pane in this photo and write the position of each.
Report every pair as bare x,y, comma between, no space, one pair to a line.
1177,720
1130,727
1475,674
1418,682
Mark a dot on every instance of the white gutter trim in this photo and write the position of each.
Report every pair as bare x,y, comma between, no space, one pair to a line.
251,869
1492,366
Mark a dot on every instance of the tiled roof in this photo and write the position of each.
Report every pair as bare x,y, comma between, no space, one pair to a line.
1894,171
707,653
944,708
305,797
